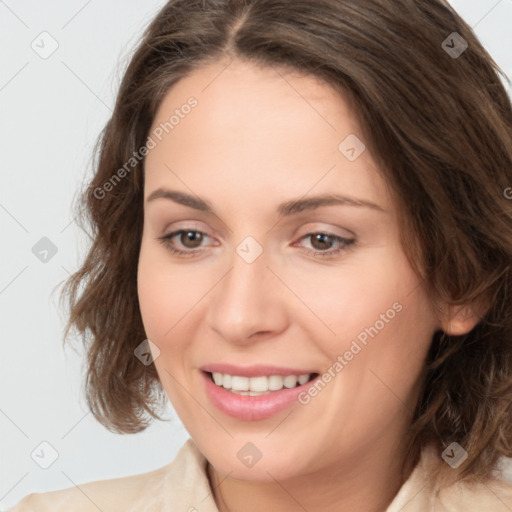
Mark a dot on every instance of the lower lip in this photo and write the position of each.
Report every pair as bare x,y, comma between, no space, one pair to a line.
252,408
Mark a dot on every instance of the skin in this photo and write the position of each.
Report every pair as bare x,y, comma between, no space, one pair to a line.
256,138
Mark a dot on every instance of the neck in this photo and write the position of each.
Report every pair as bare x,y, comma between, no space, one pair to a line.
366,485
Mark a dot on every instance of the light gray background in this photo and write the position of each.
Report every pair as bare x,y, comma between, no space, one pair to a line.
52,111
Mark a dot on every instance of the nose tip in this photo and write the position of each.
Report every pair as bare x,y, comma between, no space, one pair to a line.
247,303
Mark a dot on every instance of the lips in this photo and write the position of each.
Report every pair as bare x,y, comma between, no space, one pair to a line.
253,408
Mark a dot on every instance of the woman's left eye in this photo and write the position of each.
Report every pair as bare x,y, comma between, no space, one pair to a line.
191,239
322,239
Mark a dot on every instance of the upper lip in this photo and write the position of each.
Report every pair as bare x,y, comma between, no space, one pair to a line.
254,370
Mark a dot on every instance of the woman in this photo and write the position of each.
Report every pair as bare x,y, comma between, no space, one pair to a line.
302,238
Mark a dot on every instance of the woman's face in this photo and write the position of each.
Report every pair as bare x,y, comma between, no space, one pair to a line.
274,282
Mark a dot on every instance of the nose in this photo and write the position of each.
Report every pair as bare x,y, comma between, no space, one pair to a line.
249,302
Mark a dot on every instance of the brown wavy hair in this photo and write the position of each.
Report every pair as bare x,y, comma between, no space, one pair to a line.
440,128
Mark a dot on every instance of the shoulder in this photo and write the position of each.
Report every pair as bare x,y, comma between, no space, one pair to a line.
145,491
494,494
432,487
107,495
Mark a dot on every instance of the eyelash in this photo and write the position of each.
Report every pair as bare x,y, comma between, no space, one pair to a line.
344,243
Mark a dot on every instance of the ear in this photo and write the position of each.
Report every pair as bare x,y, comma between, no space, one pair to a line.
459,320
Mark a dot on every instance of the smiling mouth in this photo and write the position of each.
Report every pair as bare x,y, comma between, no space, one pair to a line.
262,385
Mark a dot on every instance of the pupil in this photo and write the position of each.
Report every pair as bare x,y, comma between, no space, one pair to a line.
321,237
193,236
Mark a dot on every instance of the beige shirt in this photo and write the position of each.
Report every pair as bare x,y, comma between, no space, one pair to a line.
183,486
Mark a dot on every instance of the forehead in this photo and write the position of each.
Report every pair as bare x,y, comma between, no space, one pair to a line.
259,130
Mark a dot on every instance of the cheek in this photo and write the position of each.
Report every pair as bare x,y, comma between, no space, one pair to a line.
369,291
163,293
380,320
390,332
172,301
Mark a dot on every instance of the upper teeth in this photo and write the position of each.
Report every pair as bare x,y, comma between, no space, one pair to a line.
260,384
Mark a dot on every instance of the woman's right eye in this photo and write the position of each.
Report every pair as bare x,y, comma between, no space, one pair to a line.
185,237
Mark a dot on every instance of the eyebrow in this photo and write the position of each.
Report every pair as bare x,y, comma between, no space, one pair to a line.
284,209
